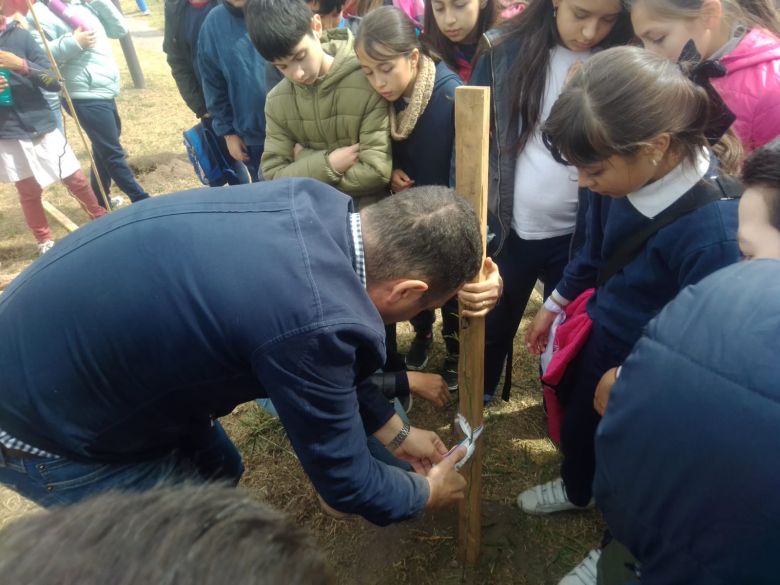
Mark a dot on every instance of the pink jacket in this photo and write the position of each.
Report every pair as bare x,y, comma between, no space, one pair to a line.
751,87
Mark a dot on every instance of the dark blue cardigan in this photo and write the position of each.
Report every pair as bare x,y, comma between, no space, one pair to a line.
426,155
138,329
679,254
30,116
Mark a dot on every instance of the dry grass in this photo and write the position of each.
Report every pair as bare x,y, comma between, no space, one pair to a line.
516,548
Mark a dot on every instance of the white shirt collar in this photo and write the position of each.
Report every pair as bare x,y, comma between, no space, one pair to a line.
652,199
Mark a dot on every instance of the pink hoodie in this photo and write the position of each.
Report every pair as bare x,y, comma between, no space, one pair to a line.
751,87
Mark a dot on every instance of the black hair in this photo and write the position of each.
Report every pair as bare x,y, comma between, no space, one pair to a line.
425,233
537,31
328,7
276,27
386,33
444,49
762,169
198,535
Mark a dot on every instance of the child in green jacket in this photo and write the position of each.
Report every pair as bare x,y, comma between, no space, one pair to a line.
323,120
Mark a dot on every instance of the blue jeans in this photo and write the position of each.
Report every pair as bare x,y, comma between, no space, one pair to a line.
210,456
100,120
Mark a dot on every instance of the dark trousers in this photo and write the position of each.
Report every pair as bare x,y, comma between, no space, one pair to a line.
255,153
450,323
578,429
241,172
100,120
521,262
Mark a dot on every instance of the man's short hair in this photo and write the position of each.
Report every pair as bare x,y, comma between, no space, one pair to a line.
204,535
762,169
423,233
276,27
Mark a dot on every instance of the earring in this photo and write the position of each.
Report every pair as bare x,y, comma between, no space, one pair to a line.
655,162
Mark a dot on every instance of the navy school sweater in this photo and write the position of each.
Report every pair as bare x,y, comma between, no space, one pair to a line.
426,155
679,254
30,116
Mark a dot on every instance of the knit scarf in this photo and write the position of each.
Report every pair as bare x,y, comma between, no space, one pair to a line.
402,123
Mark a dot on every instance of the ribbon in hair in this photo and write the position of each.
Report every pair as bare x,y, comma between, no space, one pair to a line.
700,71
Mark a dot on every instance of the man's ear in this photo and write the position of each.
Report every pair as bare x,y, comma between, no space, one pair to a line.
407,290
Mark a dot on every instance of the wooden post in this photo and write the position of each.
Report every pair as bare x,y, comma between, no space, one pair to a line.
472,126
128,48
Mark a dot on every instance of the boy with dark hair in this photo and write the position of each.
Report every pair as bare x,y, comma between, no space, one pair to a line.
233,79
759,207
324,120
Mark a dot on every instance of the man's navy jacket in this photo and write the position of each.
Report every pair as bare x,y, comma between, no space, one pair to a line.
137,330
687,472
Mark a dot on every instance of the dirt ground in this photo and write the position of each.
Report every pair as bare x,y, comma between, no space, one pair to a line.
516,549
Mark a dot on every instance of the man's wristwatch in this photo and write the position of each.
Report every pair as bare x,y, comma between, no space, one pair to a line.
399,438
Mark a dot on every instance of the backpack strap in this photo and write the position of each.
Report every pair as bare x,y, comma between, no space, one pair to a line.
707,191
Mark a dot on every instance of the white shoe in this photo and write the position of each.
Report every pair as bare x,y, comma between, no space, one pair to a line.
547,498
585,573
44,247
117,202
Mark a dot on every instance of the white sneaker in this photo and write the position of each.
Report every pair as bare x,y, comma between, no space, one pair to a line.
44,247
117,202
585,573
547,498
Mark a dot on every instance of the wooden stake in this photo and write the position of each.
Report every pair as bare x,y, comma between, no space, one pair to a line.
472,126
61,218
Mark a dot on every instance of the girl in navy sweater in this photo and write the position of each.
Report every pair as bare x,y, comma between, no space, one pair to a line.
421,93
634,126
33,152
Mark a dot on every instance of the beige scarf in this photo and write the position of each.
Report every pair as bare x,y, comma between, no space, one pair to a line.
402,123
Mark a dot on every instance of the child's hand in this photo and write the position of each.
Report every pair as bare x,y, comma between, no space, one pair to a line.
236,147
536,337
297,150
342,159
85,38
603,390
431,387
479,298
10,61
400,181
20,20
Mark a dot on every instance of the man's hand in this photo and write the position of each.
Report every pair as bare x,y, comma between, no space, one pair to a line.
399,181
431,387
10,61
603,390
479,298
85,38
446,485
342,159
236,147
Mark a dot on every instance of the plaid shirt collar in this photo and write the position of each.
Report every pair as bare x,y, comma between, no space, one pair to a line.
357,243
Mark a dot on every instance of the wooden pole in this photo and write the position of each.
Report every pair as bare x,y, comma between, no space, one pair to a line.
128,48
472,126
61,218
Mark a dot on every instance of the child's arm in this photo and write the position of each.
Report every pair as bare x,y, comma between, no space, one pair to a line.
34,67
215,89
279,158
371,172
63,43
111,19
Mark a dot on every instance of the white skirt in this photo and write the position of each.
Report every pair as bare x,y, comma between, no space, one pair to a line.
49,159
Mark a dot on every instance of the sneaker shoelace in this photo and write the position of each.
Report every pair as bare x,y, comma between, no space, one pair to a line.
553,492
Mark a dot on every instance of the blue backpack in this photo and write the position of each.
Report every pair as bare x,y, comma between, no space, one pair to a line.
206,156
